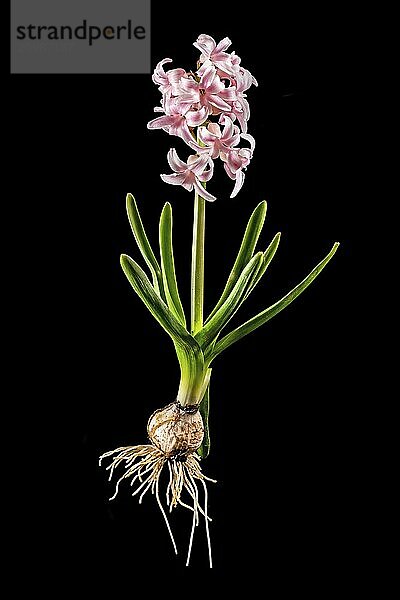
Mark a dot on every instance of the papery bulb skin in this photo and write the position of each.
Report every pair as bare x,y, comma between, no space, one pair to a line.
176,431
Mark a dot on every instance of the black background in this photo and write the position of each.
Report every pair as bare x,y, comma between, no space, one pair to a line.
95,362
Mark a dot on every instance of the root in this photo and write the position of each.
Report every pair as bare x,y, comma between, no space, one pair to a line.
145,463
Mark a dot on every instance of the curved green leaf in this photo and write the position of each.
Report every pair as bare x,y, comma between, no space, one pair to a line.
267,257
231,304
144,245
168,265
160,311
270,312
250,238
190,355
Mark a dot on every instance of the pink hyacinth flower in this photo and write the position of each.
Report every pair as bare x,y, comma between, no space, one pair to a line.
236,160
240,108
191,174
167,81
177,120
216,141
210,92
240,71
215,53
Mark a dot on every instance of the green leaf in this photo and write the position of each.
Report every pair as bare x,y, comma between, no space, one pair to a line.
204,410
144,245
245,253
268,256
270,312
168,265
213,327
160,311
189,353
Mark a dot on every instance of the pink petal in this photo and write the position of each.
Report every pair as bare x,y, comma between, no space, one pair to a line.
238,184
189,85
188,185
175,75
225,66
170,106
215,111
233,141
197,164
183,108
159,73
206,136
255,82
229,172
231,115
228,94
160,122
175,162
206,64
245,155
234,161
223,75
206,175
223,45
202,192
228,127
162,62
217,86
208,77
236,60
176,125
214,129
197,117
203,136
187,137
220,57
245,108
205,43
249,138
219,103
215,153
231,133
174,179
242,122
244,80
183,100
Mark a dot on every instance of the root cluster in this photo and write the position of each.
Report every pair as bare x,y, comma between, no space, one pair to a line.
143,466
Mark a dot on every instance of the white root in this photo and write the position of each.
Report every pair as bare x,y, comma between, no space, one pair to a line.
206,520
192,534
145,463
165,517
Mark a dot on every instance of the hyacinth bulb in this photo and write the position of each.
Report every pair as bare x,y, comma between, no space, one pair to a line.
176,431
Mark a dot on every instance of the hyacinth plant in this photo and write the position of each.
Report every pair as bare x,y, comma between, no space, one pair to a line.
208,110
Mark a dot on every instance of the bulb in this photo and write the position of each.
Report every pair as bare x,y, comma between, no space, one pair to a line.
176,431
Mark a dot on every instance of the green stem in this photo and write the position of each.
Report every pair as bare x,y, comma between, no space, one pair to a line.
197,281
195,377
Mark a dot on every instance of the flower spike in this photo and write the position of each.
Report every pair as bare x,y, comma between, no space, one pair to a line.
195,105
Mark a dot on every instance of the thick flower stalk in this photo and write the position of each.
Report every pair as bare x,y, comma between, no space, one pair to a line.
207,109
